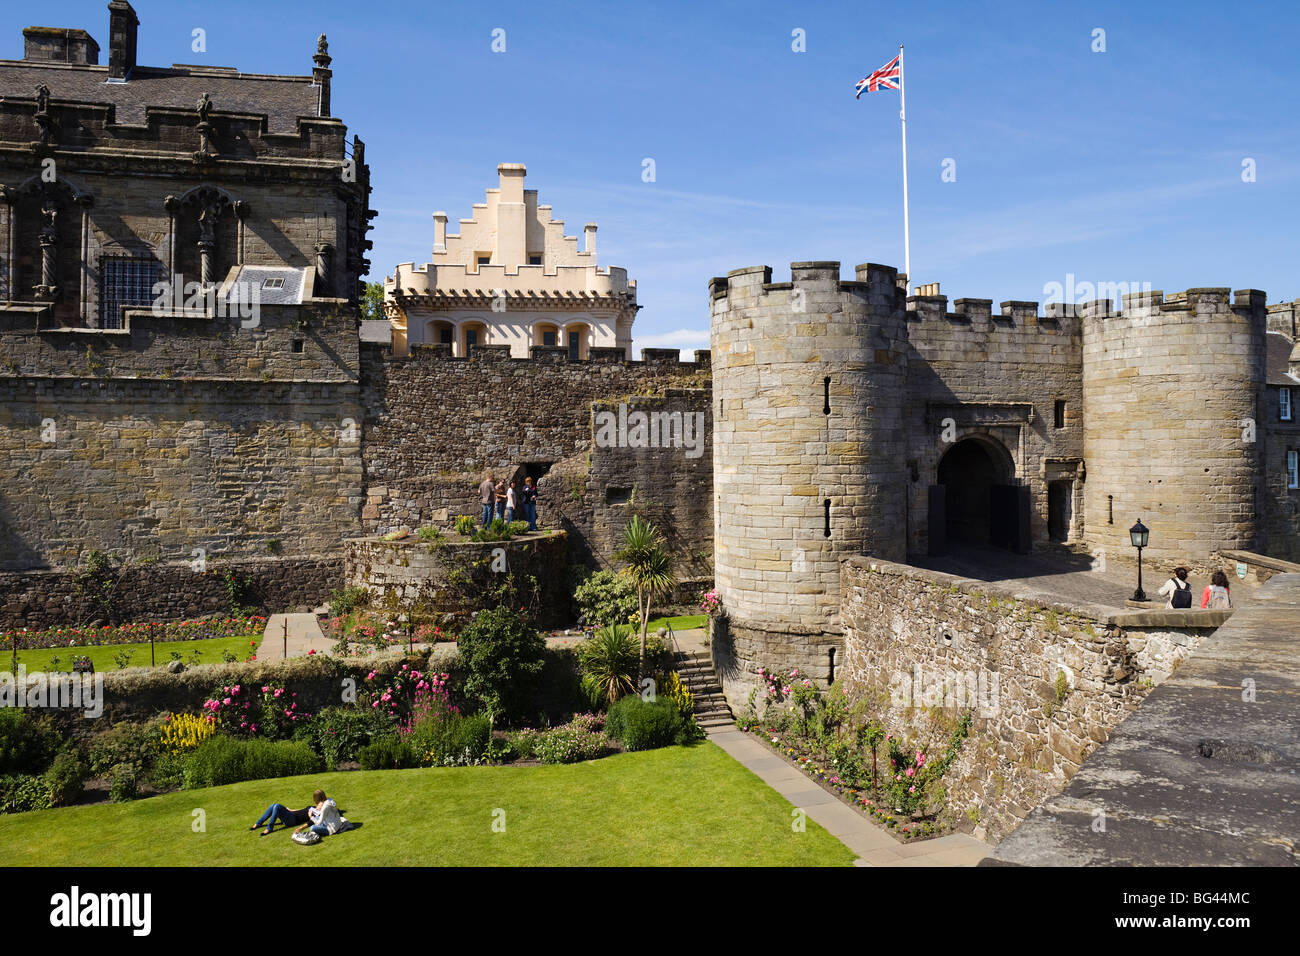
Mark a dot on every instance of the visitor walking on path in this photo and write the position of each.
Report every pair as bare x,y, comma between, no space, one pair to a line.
487,496
1217,595
530,503
1177,590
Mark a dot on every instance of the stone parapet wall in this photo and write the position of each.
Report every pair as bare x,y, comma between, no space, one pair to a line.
448,581
922,639
169,592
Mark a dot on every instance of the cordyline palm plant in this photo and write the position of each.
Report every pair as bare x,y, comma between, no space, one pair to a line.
608,660
649,567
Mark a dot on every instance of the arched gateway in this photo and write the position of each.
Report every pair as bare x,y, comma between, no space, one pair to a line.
976,499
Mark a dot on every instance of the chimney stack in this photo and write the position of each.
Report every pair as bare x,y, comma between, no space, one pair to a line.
589,241
122,27
439,232
60,46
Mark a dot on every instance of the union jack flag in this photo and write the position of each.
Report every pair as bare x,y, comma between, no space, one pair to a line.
885,78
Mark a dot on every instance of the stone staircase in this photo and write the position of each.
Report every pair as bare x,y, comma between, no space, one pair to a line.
695,669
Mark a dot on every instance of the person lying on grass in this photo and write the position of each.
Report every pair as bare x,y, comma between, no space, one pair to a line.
325,816
279,813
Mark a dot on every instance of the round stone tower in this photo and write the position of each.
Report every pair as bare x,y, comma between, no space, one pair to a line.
808,457
1172,398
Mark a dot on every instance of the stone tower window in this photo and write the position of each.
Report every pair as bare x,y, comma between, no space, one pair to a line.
826,398
826,509
1293,468
1059,413
1284,404
535,259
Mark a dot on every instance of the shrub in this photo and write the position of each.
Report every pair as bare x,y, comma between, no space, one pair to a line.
449,740
465,525
137,744
501,654
387,753
64,779
340,733
429,534
22,792
523,742
26,743
168,771
255,710
498,530
609,661
123,785
517,527
645,725
605,598
221,760
346,601
577,740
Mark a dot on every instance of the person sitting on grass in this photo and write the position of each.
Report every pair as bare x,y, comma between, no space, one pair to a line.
279,813
325,817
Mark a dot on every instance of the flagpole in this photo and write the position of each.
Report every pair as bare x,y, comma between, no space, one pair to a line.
902,115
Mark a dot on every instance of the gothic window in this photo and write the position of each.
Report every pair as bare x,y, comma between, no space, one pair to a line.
124,281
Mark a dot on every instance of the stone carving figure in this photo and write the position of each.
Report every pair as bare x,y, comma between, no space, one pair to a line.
43,121
322,45
42,98
208,217
204,107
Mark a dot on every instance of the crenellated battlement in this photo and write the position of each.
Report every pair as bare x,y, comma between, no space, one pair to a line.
877,282
540,355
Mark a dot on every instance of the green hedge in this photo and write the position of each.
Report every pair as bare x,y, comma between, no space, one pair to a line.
645,725
220,760
388,753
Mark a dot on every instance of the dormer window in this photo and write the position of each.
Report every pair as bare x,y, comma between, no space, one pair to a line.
275,283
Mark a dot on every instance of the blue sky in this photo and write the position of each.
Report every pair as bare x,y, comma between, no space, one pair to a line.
1115,166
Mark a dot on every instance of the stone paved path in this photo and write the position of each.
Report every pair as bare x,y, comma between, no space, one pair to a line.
304,635
873,845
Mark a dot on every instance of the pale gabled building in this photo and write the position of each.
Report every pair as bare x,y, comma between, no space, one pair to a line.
511,277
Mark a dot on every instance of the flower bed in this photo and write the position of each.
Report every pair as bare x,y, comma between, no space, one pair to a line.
897,782
160,632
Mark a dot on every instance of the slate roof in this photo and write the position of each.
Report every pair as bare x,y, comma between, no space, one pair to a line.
296,285
282,98
1279,354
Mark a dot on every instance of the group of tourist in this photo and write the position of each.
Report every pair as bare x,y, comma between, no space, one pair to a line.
1216,596
509,500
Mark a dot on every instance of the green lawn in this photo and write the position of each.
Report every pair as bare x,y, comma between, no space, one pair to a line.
680,806
102,656
686,622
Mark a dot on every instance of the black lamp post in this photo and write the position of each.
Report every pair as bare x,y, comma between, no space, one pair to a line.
1139,534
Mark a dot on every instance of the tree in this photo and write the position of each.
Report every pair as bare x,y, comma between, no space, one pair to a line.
607,659
649,567
372,302
502,657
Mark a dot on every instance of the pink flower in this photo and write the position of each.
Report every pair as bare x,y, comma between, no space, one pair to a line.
910,771
266,690
920,758
912,789
226,701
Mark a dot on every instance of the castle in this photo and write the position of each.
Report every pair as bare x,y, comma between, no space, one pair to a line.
843,417
853,419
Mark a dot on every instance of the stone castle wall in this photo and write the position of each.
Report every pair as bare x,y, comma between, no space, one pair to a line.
203,440
169,591
998,377
916,639
435,424
1173,417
